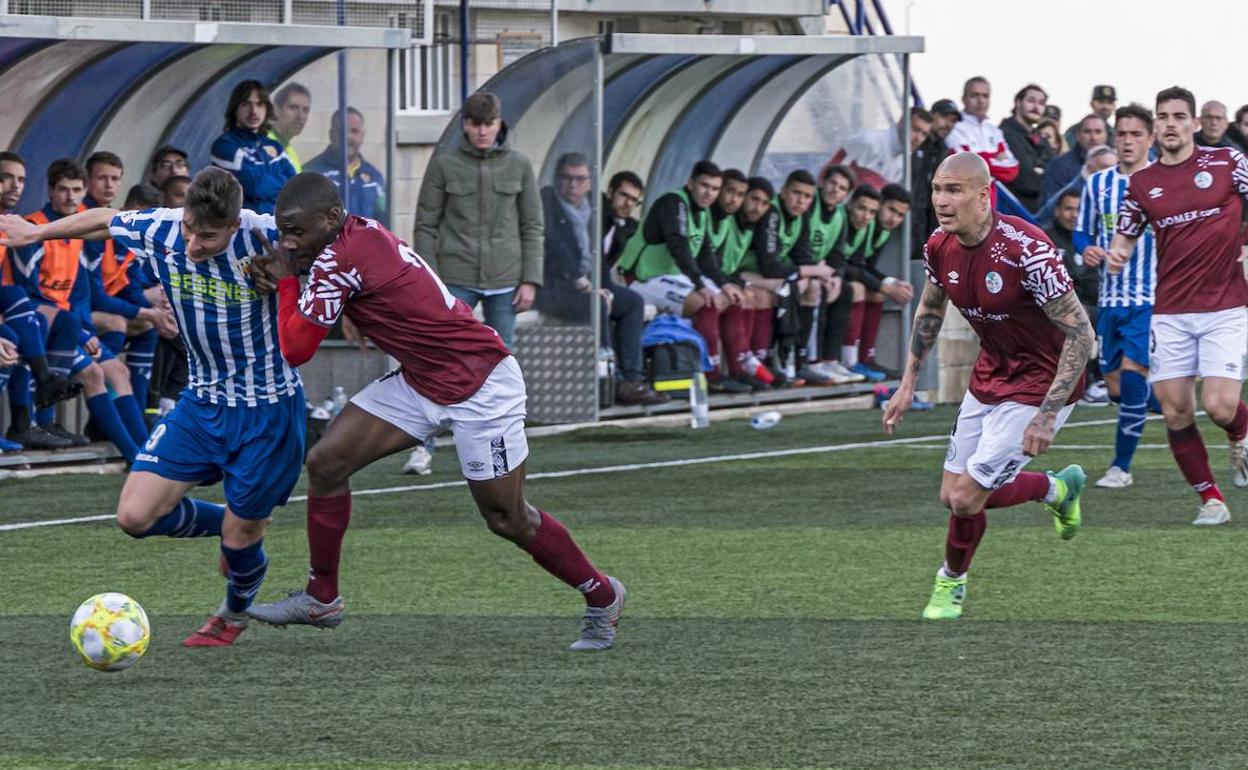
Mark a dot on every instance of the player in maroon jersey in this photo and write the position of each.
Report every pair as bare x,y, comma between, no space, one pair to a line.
453,372
1192,196
1008,280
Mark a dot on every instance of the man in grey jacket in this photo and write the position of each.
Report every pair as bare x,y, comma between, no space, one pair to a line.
479,219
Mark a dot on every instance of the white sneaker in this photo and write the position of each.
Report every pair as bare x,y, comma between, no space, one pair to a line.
840,369
1239,463
419,462
1115,478
1212,513
826,369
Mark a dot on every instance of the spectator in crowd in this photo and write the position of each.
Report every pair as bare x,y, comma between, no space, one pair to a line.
1099,158
293,102
246,151
945,115
976,133
665,258
367,194
622,198
141,196
104,172
1061,170
167,161
568,283
1085,277
826,223
1104,102
173,191
1213,126
18,315
1054,113
54,276
873,217
479,219
1051,131
1028,145
877,155
1238,131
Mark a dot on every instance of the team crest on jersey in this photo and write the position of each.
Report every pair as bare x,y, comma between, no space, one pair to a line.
993,282
272,151
1203,180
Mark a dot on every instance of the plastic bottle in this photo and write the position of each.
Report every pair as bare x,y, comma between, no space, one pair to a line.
340,399
699,402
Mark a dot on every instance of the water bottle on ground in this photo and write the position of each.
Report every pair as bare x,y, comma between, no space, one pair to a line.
699,402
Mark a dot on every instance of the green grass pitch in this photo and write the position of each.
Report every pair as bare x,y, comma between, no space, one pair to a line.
772,622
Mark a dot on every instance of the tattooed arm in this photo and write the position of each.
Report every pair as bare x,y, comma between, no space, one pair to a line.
927,322
1067,314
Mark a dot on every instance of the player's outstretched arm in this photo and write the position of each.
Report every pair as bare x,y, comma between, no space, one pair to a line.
927,322
1066,312
89,225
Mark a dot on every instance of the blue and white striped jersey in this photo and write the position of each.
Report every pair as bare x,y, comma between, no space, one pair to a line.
1098,219
230,328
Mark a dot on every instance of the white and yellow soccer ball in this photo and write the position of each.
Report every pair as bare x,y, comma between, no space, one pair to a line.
110,631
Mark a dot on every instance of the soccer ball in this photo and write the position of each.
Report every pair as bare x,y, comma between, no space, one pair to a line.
110,631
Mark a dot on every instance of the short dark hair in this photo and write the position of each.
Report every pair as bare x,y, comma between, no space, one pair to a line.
921,114
214,197
1180,93
972,81
1022,92
735,175
1239,115
1093,116
333,119
625,177
11,157
65,168
761,183
171,180
865,191
839,169
1069,192
800,176
141,196
1137,111
705,168
895,192
571,160
309,192
105,157
483,107
240,94
283,94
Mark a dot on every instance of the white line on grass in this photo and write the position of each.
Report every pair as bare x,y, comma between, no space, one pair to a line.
827,448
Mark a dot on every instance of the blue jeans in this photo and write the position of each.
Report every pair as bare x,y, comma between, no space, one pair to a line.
499,314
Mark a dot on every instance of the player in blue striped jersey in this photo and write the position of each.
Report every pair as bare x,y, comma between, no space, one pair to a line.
1125,302
241,418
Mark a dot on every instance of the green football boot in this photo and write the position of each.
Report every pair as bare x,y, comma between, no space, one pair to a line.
1067,515
947,597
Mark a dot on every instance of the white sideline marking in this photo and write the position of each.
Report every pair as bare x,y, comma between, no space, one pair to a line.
827,448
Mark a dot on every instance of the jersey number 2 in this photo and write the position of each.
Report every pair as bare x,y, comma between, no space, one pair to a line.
410,256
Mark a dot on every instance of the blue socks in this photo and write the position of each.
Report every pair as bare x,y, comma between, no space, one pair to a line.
189,518
132,417
109,421
140,354
246,568
1135,401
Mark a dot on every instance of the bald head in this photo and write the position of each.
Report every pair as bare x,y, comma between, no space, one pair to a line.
966,166
961,197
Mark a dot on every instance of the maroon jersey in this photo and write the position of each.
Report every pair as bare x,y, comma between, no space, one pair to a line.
1000,286
402,306
1195,211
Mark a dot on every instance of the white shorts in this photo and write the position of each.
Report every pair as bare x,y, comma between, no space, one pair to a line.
1205,344
668,292
987,440
488,427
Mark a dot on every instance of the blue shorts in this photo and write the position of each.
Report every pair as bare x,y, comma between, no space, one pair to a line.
1123,331
257,450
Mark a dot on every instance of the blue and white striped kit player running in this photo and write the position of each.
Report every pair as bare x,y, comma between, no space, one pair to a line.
241,415
1125,299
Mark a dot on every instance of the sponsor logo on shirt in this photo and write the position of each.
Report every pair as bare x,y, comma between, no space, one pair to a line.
1156,193
1187,216
978,314
209,288
1203,180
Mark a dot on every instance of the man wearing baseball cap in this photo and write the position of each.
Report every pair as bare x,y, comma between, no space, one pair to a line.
1104,102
